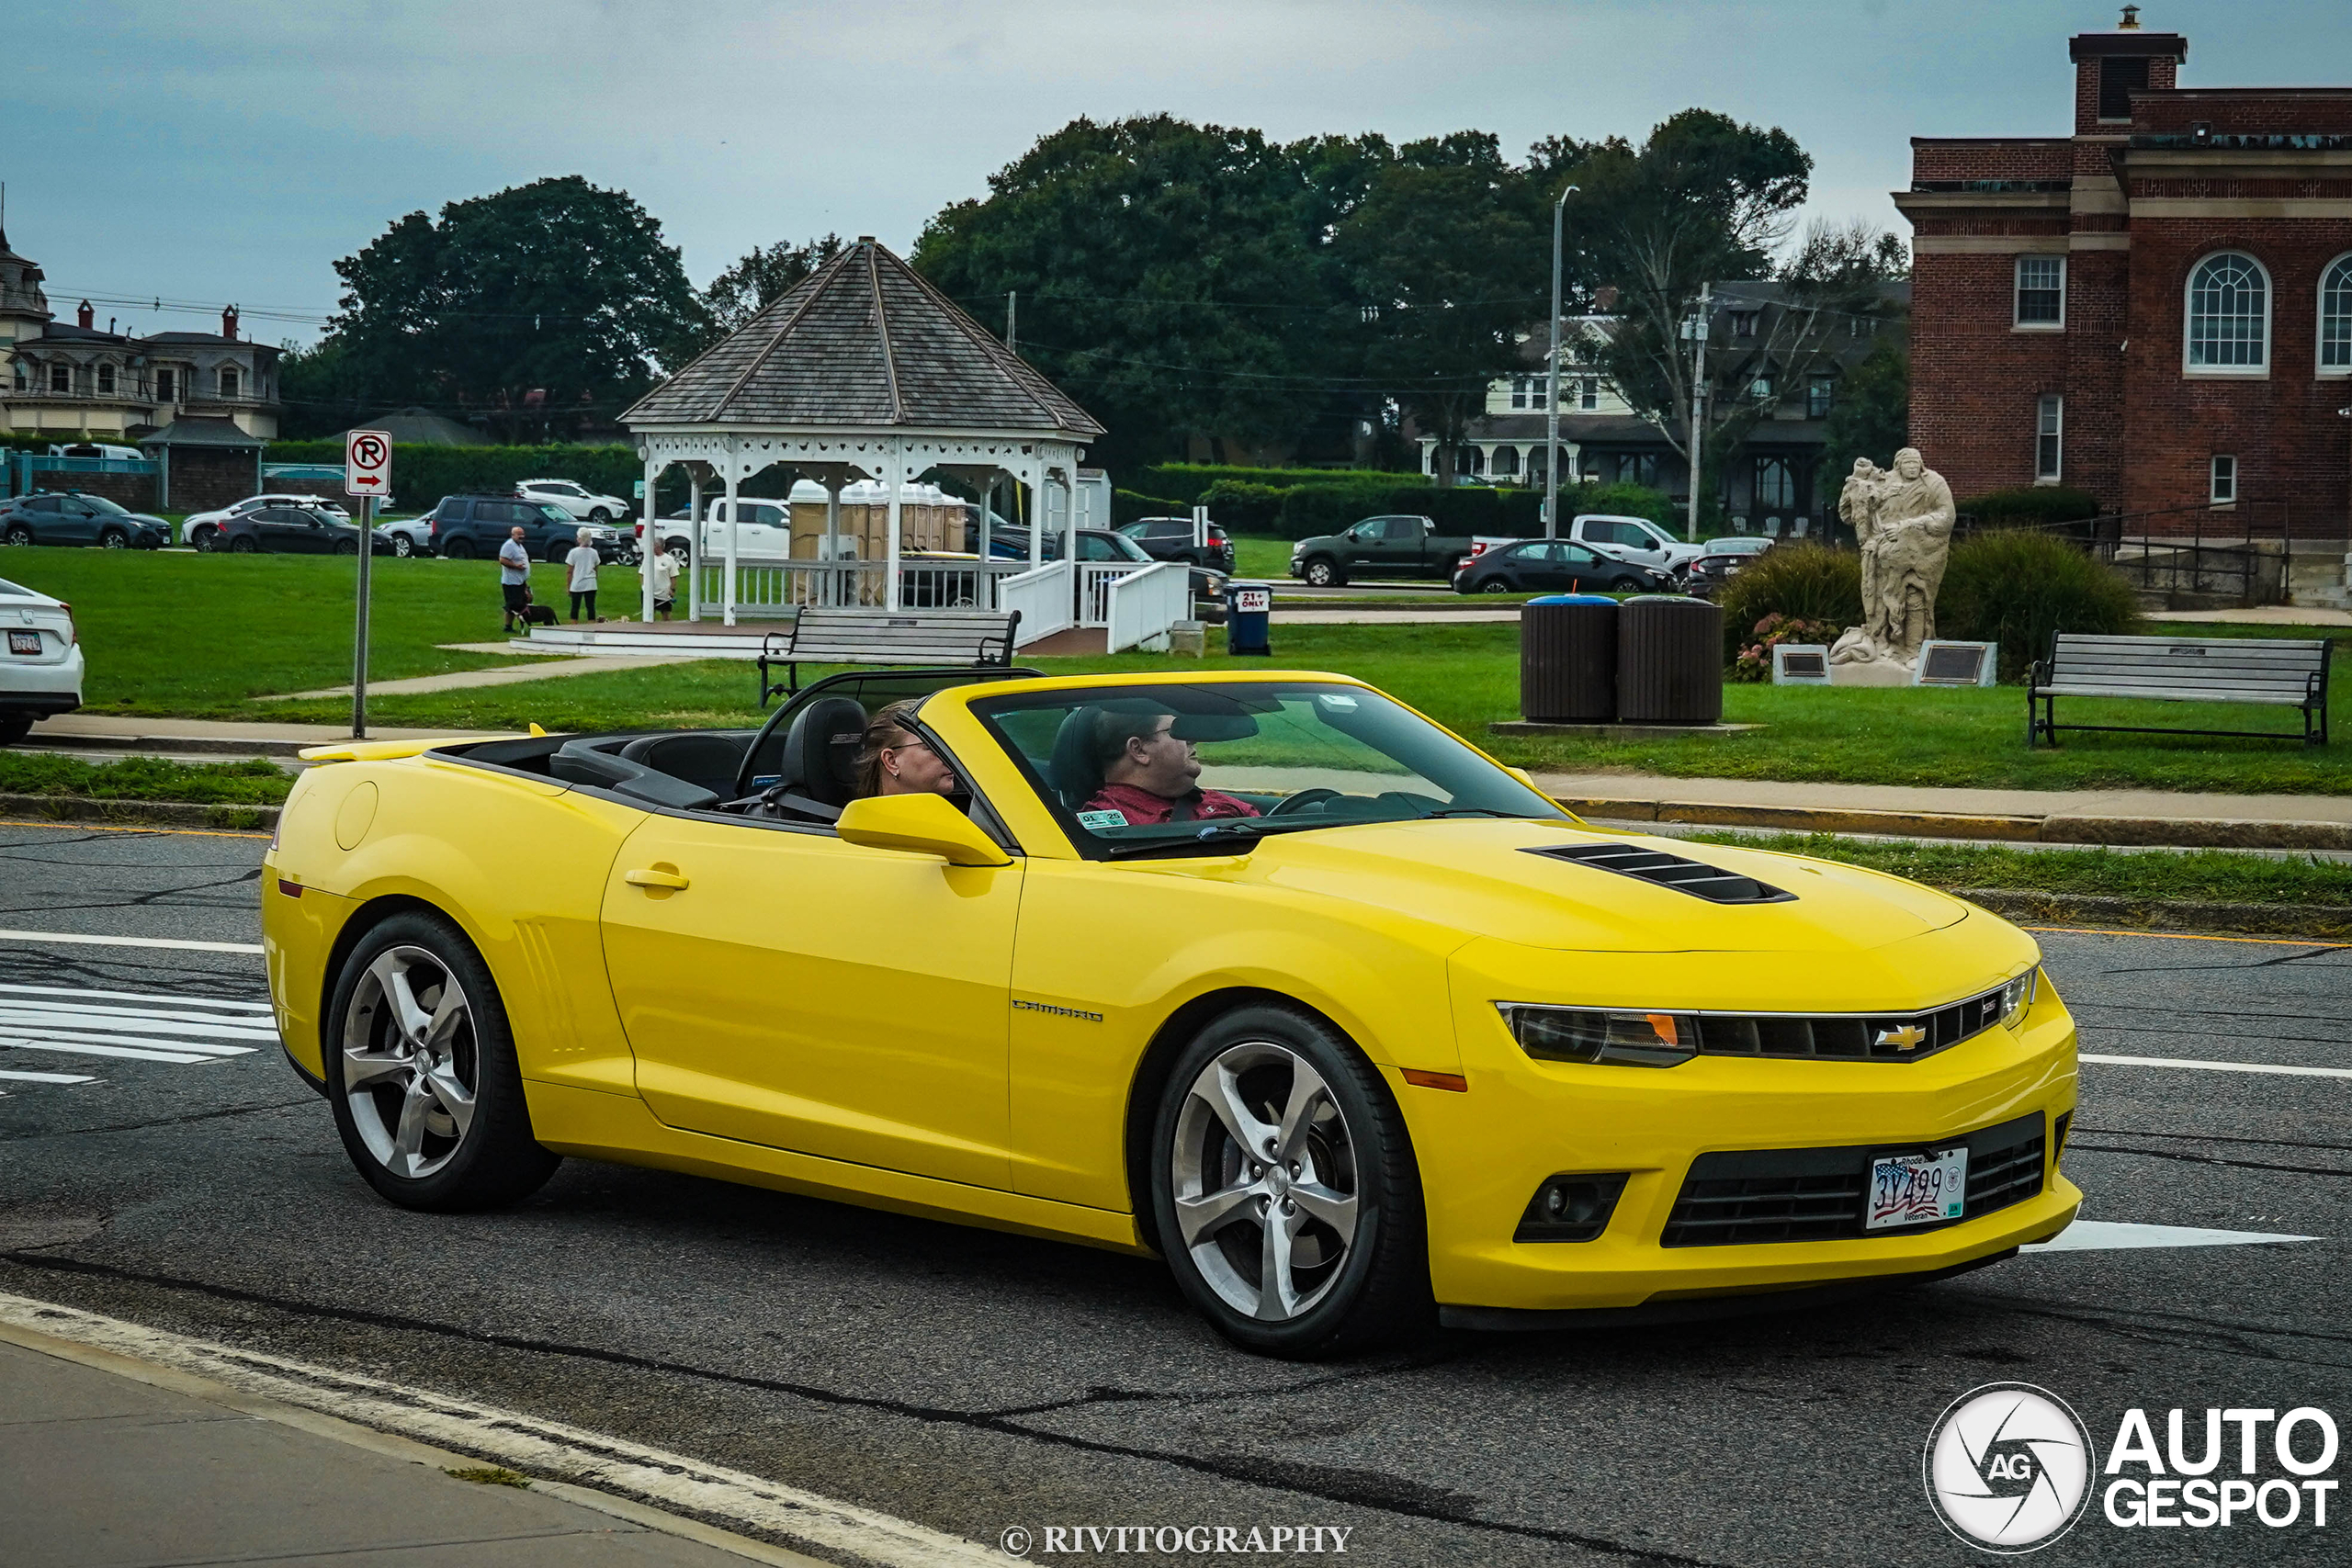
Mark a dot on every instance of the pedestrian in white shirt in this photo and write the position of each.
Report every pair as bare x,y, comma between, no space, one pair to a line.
661,569
584,560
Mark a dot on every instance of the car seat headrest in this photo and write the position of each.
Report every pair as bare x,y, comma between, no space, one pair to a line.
1074,777
821,750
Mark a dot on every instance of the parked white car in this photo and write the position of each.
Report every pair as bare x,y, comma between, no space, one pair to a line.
202,529
1635,539
578,500
41,660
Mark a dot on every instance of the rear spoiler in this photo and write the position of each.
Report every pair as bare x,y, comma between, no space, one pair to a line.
393,750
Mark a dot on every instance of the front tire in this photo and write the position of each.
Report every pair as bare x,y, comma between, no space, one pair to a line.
421,1071
600,516
1325,574
403,546
1284,1191
114,539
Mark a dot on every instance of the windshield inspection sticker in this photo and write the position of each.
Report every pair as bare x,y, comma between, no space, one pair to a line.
1102,819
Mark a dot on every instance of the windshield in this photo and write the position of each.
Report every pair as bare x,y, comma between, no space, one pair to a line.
555,513
100,504
1168,769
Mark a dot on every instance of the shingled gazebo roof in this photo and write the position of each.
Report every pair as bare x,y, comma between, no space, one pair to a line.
863,344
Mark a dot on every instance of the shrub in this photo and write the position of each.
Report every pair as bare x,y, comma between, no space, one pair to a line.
1245,508
422,474
1796,582
1755,660
1126,505
1187,481
2030,506
1624,500
2020,590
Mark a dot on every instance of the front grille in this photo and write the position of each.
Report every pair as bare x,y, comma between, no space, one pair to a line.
1879,1037
1709,882
1763,1195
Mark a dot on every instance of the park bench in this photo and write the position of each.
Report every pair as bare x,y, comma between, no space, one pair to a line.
2275,672
864,636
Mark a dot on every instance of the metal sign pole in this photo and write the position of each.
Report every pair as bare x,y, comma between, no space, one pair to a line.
359,637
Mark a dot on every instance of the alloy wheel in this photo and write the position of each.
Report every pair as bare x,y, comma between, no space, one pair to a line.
403,546
18,535
1264,1179
412,1067
114,540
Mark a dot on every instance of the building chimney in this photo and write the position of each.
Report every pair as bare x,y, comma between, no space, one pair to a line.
84,315
229,323
1604,298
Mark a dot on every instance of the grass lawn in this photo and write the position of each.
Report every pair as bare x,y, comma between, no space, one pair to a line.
199,636
196,634
249,783
1255,555
2215,875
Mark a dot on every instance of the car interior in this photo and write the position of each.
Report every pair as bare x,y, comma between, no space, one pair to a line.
800,768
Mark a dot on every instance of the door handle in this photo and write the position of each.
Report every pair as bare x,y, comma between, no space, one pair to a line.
655,877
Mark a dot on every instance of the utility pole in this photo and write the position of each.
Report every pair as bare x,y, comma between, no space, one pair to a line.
1551,389
1012,318
1698,333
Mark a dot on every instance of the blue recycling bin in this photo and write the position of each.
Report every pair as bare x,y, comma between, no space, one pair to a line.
1248,608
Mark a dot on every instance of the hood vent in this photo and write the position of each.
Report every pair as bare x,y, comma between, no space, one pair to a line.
1709,882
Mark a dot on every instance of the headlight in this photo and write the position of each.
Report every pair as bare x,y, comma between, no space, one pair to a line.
2018,996
1620,1039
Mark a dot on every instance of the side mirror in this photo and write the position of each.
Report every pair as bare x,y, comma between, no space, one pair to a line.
920,824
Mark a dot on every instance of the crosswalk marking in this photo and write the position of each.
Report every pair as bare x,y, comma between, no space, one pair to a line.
83,938
2190,1062
129,1026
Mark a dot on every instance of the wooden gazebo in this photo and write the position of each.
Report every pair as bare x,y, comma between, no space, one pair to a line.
862,371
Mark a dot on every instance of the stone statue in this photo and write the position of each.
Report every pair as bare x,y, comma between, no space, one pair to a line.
1910,516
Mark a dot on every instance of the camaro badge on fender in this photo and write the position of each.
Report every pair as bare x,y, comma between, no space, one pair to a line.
1023,1004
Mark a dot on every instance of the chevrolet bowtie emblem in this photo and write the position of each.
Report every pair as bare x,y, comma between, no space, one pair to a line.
1910,1037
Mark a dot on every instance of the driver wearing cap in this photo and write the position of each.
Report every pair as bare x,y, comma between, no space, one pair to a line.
1149,773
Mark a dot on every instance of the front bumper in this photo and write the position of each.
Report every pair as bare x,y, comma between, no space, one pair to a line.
1484,1153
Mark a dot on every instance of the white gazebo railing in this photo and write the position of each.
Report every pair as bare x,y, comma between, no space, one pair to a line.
1141,606
1094,580
770,587
1043,596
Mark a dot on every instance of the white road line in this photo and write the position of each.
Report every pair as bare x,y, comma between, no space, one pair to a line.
78,938
2111,1235
537,1447
126,1053
45,1077
124,1022
2220,1067
225,1003
17,1029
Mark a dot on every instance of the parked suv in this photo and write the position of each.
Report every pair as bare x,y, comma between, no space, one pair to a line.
1170,538
578,501
465,526
72,518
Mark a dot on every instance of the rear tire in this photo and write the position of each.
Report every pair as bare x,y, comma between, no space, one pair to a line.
1270,1117
18,534
459,549
346,547
1494,585
421,1074
239,544
14,727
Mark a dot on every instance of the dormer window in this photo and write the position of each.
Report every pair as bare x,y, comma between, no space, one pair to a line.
167,386
61,378
228,380
105,380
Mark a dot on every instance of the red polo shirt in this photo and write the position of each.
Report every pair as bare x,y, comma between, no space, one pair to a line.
1144,809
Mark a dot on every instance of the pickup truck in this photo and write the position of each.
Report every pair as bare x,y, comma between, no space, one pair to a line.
1633,539
1381,547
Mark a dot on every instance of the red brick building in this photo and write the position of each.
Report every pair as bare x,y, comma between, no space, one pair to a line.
2156,309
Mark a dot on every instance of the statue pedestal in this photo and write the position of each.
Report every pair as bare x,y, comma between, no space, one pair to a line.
1873,672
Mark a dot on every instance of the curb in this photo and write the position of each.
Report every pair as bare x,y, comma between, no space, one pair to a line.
2171,832
149,745
2163,914
143,813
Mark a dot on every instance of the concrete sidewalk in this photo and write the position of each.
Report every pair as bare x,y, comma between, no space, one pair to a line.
181,737
2066,816
136,1463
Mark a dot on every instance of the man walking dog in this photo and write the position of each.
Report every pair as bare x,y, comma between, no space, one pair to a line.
514,580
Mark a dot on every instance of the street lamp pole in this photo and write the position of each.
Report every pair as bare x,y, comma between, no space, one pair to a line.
1552,390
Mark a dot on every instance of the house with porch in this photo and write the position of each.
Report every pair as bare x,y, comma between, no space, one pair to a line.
1785,354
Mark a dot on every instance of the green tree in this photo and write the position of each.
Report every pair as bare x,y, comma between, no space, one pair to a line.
1449,263
1167,276
540,303
1872,415
763,275
314,385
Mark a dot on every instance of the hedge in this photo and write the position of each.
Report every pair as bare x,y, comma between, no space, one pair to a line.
423,474
1186,481
1308,510
2030,506
1126,505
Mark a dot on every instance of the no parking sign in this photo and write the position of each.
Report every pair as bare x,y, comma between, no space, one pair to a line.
367,463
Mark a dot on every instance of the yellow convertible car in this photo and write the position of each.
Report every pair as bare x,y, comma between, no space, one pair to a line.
1268,974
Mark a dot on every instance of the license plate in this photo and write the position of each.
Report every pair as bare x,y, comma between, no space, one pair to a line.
24,642
1916,1190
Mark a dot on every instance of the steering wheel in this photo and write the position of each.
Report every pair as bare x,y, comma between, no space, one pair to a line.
751,752
1291,805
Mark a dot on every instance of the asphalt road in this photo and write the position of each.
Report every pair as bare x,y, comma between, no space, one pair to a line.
972,1382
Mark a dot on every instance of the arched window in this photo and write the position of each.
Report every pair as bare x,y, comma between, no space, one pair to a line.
2335,317
1506,460
2229,315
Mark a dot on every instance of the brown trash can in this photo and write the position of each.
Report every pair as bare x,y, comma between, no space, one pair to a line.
1568,659
1670,660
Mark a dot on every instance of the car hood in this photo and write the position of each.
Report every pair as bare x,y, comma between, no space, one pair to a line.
147,519
1478,877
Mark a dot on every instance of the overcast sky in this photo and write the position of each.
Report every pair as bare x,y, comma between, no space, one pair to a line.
232,151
